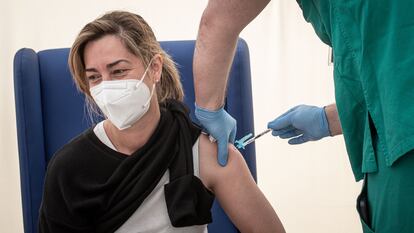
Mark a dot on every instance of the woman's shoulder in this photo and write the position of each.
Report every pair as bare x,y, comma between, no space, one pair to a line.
72,153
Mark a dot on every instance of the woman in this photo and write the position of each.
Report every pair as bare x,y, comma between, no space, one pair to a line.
146,168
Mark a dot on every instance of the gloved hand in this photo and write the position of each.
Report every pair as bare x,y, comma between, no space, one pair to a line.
221,126
301,124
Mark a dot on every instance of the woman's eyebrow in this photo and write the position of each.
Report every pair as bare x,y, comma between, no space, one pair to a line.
110,65
117,62
90,70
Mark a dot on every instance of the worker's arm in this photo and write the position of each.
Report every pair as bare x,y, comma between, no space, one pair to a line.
305,123
333,120
220,26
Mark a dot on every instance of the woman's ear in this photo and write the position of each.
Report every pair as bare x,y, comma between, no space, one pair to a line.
156,67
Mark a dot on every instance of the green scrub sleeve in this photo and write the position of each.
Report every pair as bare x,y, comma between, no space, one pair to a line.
312,15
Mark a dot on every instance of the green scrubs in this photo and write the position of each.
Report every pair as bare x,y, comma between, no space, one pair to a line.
373,46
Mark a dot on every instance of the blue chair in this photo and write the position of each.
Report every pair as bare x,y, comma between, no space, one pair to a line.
50,111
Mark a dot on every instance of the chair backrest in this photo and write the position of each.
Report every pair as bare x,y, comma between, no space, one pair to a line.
50,111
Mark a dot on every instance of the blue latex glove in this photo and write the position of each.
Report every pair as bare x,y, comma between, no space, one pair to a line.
221,126
301,124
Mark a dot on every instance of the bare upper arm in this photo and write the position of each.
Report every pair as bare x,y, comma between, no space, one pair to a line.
236,190
233,15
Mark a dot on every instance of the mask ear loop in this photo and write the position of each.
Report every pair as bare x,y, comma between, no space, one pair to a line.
153,86
145,74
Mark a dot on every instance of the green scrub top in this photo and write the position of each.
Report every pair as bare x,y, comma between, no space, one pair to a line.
373,47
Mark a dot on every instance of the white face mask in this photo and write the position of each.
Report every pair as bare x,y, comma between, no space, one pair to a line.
123,102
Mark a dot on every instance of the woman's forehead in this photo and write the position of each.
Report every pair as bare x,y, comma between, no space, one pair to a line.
107,50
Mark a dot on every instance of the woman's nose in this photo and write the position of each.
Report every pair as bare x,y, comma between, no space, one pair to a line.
106,77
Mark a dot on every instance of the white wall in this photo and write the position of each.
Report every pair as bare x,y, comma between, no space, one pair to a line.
310,186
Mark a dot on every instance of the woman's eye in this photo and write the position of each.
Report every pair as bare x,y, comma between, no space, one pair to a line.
94,78
119,72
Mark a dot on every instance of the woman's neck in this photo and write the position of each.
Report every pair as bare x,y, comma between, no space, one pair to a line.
129,140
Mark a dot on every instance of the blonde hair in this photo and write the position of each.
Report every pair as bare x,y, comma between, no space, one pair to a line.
138,38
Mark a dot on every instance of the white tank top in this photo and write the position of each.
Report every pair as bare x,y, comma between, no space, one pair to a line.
152,215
